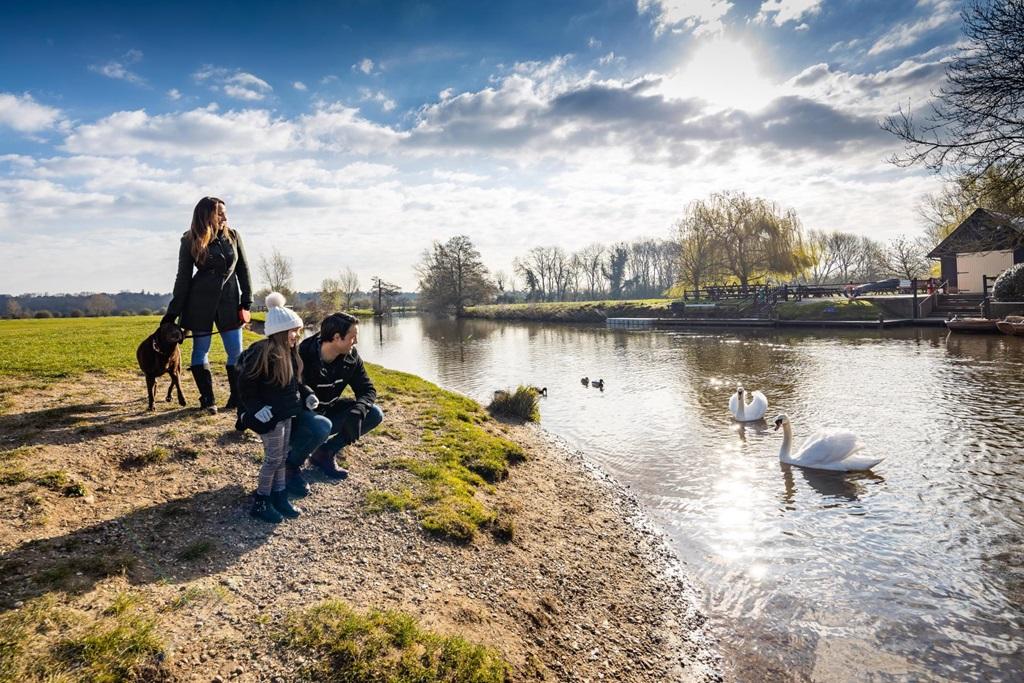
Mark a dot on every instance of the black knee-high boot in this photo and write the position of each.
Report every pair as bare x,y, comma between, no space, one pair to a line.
233,383
204,382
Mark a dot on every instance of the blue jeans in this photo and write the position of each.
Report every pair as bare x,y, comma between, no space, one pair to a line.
337,413
309,430
232,345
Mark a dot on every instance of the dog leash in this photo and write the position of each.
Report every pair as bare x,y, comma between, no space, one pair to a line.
210,334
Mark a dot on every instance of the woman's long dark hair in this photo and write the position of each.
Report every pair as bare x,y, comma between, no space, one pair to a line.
203,231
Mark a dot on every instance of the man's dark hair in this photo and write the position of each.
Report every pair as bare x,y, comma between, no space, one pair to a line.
336,323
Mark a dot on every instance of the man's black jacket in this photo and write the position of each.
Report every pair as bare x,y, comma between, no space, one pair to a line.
328,380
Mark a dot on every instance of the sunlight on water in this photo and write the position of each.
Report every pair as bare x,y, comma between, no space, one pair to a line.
914,571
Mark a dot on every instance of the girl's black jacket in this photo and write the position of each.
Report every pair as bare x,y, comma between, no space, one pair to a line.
255,392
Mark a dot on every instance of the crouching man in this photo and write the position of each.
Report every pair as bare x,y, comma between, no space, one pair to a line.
330,363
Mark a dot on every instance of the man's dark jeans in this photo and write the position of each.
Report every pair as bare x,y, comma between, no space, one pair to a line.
338,414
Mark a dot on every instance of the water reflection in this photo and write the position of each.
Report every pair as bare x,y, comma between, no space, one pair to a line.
914,571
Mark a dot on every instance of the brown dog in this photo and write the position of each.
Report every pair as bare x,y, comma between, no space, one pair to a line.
160,352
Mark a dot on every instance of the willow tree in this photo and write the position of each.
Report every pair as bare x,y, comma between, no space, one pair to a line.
756,238
699,254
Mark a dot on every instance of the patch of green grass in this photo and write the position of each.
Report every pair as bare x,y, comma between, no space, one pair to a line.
345,645
523,403
830,309
54,480
154,456
46,641
52,348
377,501
197,550
121,649
456,456
573,311
196,595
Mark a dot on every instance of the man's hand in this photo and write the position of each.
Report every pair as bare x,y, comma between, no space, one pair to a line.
312,402
264,414
352,426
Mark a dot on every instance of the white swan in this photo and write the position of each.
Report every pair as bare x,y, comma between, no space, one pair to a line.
748,412
837,450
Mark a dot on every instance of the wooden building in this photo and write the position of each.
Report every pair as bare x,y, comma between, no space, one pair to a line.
986,243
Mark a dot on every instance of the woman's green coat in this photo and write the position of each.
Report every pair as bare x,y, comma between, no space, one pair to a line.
218,288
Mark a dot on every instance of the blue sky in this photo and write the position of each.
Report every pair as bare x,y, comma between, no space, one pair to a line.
352,134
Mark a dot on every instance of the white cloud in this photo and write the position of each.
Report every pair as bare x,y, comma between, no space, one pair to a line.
610,58
365,65
593,43
118,69
198,132
300,86
386,103
787,10
25,115
238,84
174,94
700,16
938,13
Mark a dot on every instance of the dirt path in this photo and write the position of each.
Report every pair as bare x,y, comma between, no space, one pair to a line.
580,594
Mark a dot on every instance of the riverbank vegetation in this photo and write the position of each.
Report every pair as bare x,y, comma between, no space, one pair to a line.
572,311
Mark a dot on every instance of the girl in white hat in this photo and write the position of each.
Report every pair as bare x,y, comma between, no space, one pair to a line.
272,394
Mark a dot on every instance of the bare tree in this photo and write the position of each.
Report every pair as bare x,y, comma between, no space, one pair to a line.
277,272
872,263
824,261
348,283
906,257
590,259
978,121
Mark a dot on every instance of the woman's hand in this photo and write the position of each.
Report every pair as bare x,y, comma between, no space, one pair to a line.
264,414
312,402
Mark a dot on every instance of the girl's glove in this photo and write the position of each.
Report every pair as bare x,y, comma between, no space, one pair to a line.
264,414
312,402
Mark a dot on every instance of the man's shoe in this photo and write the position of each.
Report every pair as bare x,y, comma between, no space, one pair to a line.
294,483
324,462
279,499
262,509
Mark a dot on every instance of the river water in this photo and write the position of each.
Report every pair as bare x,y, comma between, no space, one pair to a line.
913,572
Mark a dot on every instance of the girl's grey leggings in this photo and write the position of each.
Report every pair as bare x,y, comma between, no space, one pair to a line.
275,450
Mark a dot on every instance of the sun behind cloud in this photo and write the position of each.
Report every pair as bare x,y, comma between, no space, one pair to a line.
725,72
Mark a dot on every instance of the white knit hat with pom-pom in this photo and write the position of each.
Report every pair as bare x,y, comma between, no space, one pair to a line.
279,317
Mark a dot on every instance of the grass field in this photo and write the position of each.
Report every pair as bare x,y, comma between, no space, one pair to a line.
64,347
448,448
572,311
456,454
830,309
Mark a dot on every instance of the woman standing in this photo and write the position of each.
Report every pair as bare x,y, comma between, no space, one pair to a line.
215,294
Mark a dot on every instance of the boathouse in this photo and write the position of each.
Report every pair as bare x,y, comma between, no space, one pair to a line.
985,243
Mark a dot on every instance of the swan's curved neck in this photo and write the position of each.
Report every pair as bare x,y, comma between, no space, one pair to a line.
787,441
740,406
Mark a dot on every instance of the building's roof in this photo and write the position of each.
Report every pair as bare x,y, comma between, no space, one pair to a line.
983,230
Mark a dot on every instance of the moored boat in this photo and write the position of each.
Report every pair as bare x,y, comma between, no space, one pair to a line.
957,324
1012,324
